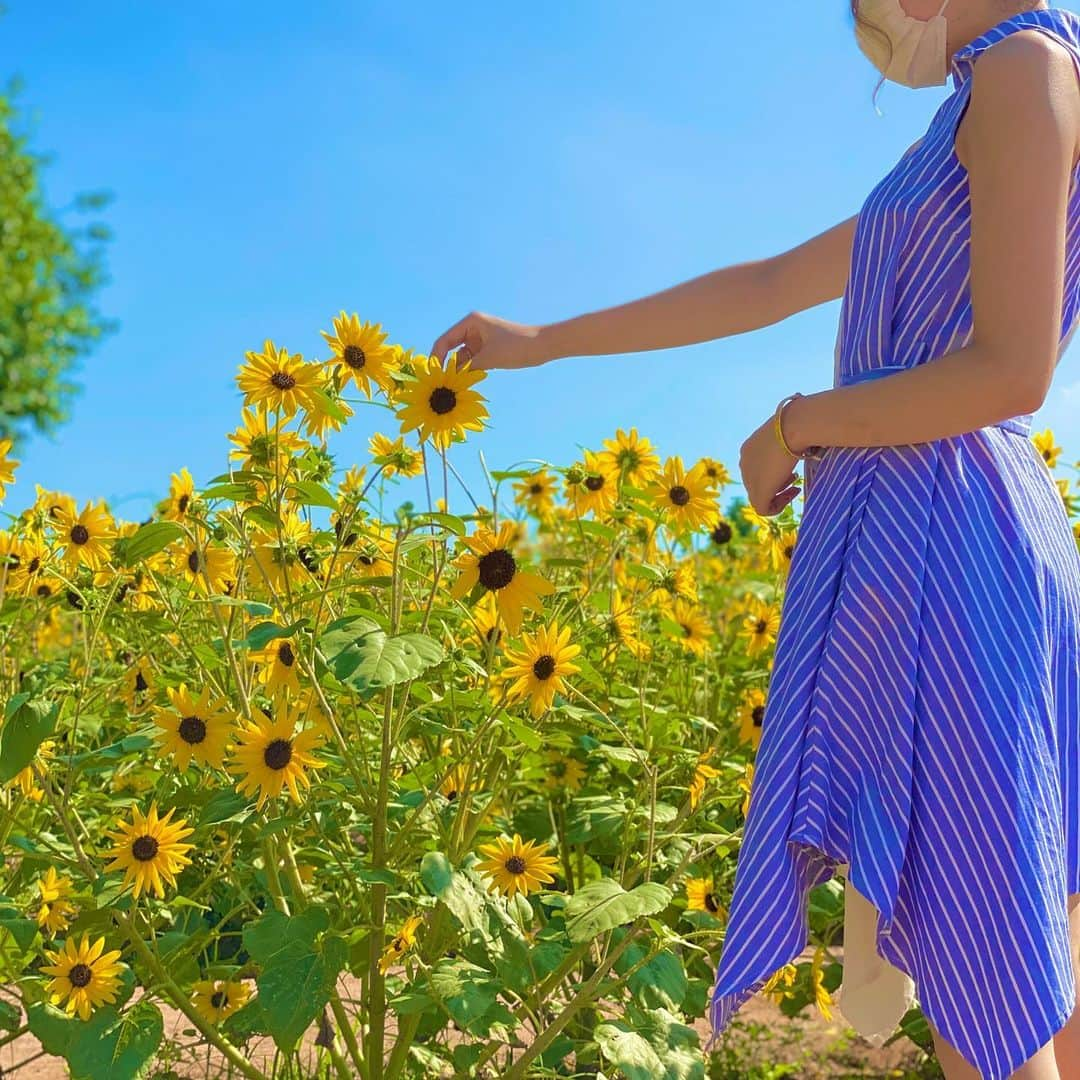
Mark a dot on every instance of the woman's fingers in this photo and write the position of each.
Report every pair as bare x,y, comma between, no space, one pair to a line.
456,335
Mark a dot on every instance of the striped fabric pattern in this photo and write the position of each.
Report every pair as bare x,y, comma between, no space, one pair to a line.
923,715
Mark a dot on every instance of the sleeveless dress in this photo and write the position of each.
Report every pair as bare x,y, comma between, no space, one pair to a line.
921,731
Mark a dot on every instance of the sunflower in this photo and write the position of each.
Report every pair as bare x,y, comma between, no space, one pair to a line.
370,547
26,779
703,772
181,494
1044,443
198,729
137,688
631,457
85,975
782,547
361,353
218,999
149,850
279,671
517,867
700,896
715,472
563,772
751,713
328,412
592,486
822,997
536,493
623,629
398,458
24,563
720,530
56,909
441,403
208,567
85,535
272,754
489,564
261,444
694,627
456,782
745,783
686,497
539,667
279,381
486,627
760,625
7,466
400,943
279,556
777,982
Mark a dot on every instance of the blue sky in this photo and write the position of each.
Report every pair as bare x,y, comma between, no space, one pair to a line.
274,163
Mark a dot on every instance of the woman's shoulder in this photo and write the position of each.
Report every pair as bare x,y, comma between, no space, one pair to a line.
1029,59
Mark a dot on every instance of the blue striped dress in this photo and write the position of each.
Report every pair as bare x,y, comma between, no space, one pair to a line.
923,717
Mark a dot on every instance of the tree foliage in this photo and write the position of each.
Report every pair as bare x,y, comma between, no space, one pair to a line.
51,270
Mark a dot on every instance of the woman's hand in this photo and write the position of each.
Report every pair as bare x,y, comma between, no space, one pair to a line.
489,342
766,471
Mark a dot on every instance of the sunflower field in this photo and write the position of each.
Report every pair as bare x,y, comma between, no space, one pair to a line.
417,793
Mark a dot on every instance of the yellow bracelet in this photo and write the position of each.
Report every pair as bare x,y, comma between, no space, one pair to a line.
780,430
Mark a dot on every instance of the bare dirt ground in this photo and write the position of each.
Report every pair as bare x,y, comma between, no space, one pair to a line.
759,1035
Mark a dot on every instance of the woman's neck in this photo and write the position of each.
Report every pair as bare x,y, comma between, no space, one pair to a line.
972,20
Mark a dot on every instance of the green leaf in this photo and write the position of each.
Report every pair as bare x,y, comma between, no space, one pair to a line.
231,492
297,975
604,904
10,1016
265,632
27,722
455,889
109,1044
149,540
362,655
447,521
628,1051
308,493
21,929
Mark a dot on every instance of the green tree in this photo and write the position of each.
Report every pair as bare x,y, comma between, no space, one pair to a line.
50,270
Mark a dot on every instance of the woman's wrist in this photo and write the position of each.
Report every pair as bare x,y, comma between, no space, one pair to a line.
795,419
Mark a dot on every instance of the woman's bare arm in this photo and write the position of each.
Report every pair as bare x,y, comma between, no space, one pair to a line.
731,300
1019,139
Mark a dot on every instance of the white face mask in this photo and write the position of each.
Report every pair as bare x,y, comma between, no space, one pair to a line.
919,47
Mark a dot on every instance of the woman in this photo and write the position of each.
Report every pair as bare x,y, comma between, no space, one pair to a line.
922,729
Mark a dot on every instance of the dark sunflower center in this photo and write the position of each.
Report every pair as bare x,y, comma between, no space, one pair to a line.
594,483
758,715
195,561
219,999
282,380
559,769
492,633
140,683
537,489
544,667
182,503
442,400
79,534
278,754
515,864
33,566
496,569
688,630
285,654
679,495
80,975
192,729
354,357
144,848
711,904
722,533
759,626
